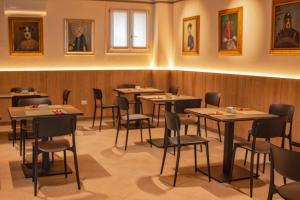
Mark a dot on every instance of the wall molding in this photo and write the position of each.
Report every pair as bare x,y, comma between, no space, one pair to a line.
143,1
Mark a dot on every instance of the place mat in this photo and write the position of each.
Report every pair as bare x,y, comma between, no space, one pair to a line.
44,108
37,112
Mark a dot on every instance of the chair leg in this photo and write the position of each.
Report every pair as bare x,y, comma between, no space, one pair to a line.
198,127
14,131
153,111
186,127
290,143
251,173
141,129
113,116
76,168
164,158
232,163
205,127
284,181
208,162
246,156
271,192
219,131
195,156
23,147
257,165
264,164
127,131
33,157
21,142
65,164
118,129
94,116
149,129
101,116
177,165
158,115
35,165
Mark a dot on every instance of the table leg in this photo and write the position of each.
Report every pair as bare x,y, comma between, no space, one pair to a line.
228,148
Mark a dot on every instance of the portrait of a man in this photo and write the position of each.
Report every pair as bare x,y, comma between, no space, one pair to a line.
286,27
190,40
26,36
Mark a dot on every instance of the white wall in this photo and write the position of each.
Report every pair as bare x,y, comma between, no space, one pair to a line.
256,38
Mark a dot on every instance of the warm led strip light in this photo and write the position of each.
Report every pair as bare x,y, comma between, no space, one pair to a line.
115,68
25,12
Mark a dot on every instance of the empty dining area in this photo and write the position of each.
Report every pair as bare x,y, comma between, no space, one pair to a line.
148,99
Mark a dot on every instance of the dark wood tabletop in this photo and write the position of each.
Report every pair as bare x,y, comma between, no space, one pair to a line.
12,94
27,112
165,98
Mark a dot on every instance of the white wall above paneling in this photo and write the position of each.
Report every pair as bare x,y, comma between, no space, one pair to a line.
34,7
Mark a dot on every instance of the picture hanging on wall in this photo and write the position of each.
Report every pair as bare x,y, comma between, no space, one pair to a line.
190,37
25,36
231,31
285,27
79,37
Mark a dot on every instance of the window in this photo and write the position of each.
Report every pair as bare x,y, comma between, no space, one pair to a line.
129,30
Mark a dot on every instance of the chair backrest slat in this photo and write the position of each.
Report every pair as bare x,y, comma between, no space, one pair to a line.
172,121
173,89
15,99
180,106
20,89
286,162
33,101
123,103
126,85
66,94
268,128
283,110
51,126
212,98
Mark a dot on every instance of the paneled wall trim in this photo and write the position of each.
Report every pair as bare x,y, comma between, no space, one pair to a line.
247,91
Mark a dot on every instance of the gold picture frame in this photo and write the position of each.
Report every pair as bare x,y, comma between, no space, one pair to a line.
79,37
283,15
26,36
191,35
231,31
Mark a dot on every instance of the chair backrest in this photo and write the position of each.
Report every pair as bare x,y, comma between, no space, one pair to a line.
57,125
122,103
212,98
15,99
286,162
180,106
126,85
20,89
66,94
33,101
268,128
173,89
172,121
283,110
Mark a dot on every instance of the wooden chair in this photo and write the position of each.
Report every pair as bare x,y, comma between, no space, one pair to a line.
124,107
98,103
173,124
174,91
66,94
54,126
263,129
212,99
286,163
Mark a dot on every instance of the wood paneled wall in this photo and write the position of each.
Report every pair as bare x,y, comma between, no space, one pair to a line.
247,91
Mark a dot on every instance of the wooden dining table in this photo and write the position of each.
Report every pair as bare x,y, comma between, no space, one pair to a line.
12,94
167,100
46,168
221,172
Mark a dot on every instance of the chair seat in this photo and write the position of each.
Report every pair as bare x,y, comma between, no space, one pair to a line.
54,145
260,147
188,140
109,106
135,117
290,191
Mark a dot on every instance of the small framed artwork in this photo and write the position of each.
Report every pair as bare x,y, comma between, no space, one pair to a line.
285,27
79,37
25,36
190,36
231,31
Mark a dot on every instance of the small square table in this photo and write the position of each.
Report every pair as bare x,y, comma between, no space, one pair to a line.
221,173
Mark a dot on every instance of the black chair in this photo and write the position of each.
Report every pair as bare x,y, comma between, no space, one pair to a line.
174,91
261,129
130,85
286,163
54,126
187,119
98,103
123,106
20,89
173,124
66,94
283,110
26,126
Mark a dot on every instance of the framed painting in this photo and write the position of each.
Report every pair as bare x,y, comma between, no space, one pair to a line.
79,37
190,37
26,36
285,27
231,31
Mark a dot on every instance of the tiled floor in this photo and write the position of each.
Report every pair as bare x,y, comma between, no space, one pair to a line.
108,172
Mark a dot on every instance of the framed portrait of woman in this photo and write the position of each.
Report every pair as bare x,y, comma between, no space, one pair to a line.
190,37
231,31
